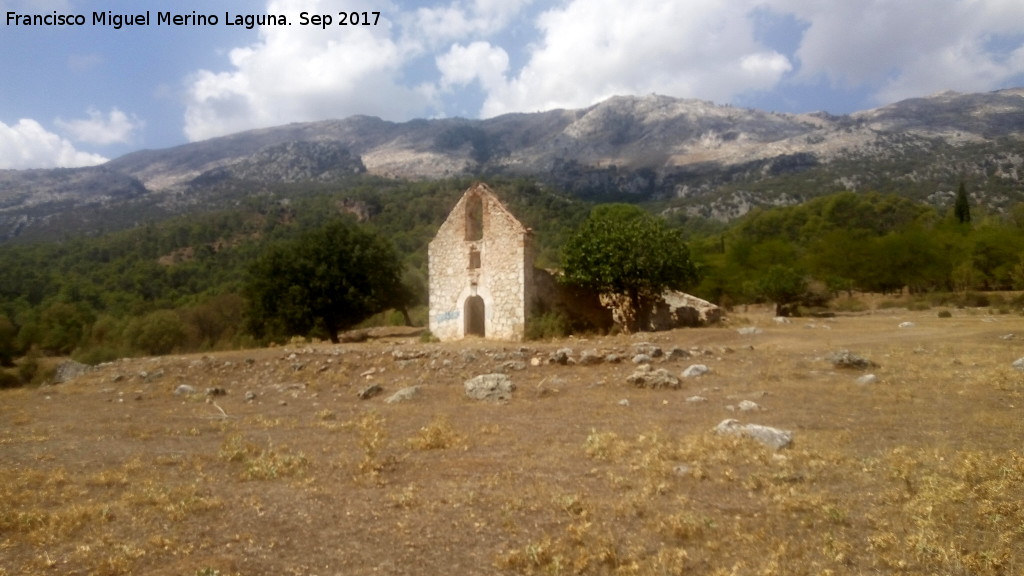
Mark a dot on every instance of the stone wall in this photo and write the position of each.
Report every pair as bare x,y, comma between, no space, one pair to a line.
481,258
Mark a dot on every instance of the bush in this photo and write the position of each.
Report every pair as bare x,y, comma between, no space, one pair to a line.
8,380
945,314
157,333
547,325
975,300
29,368
849,305
888,304
98,354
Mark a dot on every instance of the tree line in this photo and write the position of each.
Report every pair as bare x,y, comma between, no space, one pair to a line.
221,280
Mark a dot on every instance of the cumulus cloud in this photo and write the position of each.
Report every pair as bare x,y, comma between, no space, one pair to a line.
295,73
480,61
593,49
114,128
27,144
499,56
459,20
900,50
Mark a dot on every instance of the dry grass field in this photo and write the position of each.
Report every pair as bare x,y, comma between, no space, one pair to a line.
920,472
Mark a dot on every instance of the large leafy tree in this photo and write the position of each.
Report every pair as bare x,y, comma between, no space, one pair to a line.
329,279
620,249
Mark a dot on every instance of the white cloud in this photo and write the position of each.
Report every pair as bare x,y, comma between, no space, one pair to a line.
297,73
594,49
116,128
478,61
903,49
460,19
27,144
501,56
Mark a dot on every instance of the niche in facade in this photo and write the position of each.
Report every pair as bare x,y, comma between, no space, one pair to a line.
474,218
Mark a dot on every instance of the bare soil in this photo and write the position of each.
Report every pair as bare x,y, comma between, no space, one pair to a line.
579,473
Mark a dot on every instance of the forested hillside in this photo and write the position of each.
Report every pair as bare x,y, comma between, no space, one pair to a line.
178,285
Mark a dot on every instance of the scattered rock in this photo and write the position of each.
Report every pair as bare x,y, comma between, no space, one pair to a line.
1019,364
849,360
749,331
771,437
490,387
781,320
216,391
1008,337
353,336
560,356
696,399
512,366
907,325
683,470
695,371
749,406
184,390
69,370
370,391
536,362
677,353
867,379
647,377
648,349
403,395
613,358
250,396
624,402
408,355
590,358
641,359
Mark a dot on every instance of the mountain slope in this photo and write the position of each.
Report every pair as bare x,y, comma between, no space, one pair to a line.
709,160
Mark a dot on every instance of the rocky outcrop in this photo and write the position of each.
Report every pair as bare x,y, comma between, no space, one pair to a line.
673,309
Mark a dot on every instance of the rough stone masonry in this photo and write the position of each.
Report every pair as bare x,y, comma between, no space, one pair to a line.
481,271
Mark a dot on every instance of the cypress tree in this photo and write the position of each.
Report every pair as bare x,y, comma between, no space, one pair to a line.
962,208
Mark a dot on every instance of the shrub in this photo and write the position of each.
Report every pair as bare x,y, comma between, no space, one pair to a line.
157,333
945,314
547,325
887,304
8,380
849,305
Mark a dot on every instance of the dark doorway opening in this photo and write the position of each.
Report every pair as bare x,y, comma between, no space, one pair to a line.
475,316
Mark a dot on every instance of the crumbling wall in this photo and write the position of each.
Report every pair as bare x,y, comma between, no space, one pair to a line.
580,306
480,263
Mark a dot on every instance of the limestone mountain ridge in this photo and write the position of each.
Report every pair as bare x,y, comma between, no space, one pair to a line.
710,160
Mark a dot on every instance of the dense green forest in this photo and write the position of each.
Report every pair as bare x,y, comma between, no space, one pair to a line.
178,284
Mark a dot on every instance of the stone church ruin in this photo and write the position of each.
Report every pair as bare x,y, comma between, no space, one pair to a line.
482,281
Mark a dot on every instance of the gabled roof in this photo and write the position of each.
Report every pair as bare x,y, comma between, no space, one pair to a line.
482,189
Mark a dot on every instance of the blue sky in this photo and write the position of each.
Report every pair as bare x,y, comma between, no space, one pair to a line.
78,95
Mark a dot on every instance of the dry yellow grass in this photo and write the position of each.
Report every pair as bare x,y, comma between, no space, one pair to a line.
918,473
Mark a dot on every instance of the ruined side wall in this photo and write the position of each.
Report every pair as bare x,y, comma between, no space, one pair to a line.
504,279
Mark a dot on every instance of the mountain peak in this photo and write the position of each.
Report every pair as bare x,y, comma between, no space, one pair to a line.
705,156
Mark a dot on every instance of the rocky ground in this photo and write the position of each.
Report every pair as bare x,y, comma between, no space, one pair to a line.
885,442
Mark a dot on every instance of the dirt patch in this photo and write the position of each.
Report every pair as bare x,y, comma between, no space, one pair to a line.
290,472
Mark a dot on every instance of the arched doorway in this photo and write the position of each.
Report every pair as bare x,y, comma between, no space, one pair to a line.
475,316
